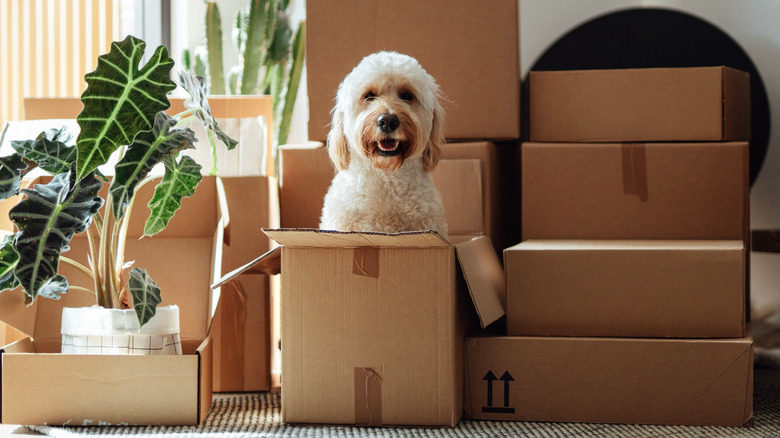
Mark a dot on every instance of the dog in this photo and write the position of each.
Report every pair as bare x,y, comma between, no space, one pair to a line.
386,137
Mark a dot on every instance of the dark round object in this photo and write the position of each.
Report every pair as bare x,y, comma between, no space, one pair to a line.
650,37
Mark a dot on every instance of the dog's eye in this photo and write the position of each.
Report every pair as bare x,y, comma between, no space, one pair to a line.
369,96
407,96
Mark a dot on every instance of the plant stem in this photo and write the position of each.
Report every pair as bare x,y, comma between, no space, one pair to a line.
83,289
96,279
122,240
78,266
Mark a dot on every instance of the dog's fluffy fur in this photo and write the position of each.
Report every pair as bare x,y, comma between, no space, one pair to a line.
384,182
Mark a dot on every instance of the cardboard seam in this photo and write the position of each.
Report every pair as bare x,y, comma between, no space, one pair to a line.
711,382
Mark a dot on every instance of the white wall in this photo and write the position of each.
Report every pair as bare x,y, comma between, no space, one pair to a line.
754,25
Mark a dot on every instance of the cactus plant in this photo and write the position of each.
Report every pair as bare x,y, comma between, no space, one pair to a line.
270,57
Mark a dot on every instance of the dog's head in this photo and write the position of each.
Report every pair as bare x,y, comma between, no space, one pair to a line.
387,111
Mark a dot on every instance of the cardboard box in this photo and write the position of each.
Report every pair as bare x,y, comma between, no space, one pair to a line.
357,306
651,288
241,326
467,178
41,386
658,104
610,380
341,33
695,191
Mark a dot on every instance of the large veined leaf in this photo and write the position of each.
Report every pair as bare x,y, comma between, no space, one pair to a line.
47,221
180,180
148,149
145,293
49,151
121,100
8,260
199,102
11,175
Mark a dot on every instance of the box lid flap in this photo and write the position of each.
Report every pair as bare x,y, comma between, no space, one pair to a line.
310,237
269,263
485,278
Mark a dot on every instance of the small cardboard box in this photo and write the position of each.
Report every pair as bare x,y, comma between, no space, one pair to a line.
478,71
650,288
610,380
658,104
694,191
41,386
373,324
466,178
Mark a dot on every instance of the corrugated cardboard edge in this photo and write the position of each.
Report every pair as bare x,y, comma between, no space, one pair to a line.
270,263
205,378
736,105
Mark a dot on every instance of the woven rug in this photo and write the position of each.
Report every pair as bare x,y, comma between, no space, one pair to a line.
258,414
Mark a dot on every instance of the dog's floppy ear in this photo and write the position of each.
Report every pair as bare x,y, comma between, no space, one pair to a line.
338,149
432,152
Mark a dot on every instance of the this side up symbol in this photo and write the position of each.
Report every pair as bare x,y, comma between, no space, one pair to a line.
506,378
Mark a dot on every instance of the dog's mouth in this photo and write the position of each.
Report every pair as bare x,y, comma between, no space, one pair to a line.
390,147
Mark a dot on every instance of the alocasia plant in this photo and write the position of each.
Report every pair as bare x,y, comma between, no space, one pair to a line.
123,114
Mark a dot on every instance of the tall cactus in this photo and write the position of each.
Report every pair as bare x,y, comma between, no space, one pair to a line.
216,69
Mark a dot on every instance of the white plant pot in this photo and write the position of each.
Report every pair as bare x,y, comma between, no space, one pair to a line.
96,330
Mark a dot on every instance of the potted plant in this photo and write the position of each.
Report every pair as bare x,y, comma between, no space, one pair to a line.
124,113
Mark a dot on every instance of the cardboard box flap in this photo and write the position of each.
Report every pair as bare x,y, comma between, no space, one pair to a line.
269,263
485,278
310,237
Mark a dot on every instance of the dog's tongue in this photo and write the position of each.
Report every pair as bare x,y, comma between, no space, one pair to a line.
388,145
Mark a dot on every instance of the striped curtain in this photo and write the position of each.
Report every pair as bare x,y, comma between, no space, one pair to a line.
47,46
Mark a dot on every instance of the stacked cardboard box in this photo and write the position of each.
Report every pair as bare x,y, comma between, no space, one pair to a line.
627,302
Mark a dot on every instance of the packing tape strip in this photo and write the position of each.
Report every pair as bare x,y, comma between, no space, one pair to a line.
368,397
634,170
365,262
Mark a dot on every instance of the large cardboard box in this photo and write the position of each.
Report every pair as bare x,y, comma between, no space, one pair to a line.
659,104
651,288
467,178
41,386
696,191
610,380
470,48
373,324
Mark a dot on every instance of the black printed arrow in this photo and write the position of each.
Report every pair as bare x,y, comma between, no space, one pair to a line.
506,377
490,378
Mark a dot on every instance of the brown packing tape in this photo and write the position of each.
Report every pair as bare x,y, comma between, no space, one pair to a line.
365,262
232,333
634,170
368,397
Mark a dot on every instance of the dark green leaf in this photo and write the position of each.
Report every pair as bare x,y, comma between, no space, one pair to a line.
199,102
145,293
280,42
49,151
121,100
8,260
11,175
148,149
47,221
180,180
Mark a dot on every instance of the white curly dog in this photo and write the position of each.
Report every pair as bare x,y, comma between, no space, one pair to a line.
386,137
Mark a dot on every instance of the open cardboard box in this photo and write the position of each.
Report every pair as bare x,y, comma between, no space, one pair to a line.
610,380
631,105
477,70
373,323
625,288
41,386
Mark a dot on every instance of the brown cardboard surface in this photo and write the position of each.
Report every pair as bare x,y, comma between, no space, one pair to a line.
340,33
608,380
41,387
358,305
466,178
685,289
693,191
660,104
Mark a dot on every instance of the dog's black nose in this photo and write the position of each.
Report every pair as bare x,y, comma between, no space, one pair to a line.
387,122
